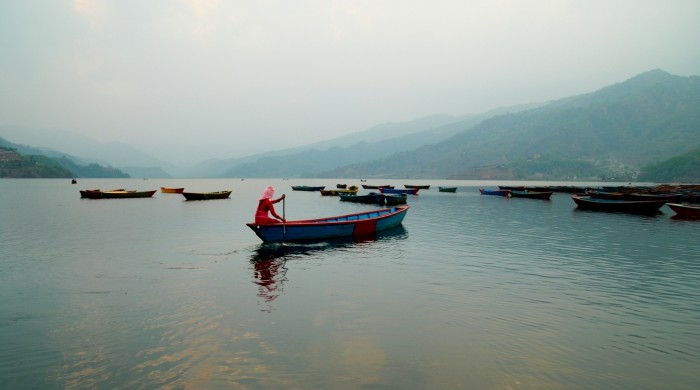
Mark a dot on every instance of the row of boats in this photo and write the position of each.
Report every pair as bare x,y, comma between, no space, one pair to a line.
641,200
387,189
366,224
121,193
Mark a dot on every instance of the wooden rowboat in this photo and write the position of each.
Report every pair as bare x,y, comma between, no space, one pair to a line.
498,192
370,198
447,189
351,225
336,192
127,194
422,187
393,199
372,187
206,195
685,210
308,188
169,190
626,206
411,191
544,195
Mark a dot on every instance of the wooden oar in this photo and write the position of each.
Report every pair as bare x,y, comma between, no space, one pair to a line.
284,218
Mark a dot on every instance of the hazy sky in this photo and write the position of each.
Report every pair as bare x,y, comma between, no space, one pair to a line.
218,78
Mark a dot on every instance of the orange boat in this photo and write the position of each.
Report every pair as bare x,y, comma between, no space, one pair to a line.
168,190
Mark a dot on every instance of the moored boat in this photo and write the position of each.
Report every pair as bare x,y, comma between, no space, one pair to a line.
350,225
170,190
626,206
308,188
373,187
95,194
544,195
598,194
121,194
685,210
91,194
370,198
447,189
393,199
422,187
336,192
206,195
410,191
668,197
498,192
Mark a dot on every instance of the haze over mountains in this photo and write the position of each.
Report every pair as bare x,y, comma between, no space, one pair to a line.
611,133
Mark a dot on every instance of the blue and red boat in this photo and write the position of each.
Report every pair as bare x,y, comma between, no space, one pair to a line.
351,225
499,192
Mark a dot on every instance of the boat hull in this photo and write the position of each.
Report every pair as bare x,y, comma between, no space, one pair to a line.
545,195
337,192
685,211
447,189
206,195
308,188
351,225
371,198
625,206
409,191
494,192
127,194
394,199
372,187
167,190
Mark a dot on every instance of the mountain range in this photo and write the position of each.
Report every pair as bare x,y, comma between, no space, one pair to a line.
612,133
608,134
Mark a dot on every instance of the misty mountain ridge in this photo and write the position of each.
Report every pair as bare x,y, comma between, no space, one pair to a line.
29,162
609,133
83,149
380,140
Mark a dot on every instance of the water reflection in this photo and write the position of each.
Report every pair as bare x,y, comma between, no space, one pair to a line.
269,259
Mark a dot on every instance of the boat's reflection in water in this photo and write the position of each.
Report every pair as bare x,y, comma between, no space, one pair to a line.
269,259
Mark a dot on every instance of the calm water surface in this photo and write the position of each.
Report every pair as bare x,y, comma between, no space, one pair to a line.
475,292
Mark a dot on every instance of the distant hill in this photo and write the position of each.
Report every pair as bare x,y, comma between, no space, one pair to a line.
380,140
48,159
607,134
683,168
14,165
83,149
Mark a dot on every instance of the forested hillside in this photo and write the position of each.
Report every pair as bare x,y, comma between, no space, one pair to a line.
683,168
22,161
13,164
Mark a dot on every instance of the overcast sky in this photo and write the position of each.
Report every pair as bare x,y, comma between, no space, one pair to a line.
229,78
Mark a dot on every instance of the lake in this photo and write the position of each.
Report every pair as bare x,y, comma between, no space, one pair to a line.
472,291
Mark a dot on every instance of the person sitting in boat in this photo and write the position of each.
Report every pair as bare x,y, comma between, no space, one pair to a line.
265,205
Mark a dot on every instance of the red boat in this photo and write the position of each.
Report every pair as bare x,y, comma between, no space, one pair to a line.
685,210
115,194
